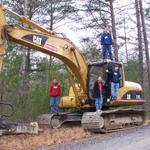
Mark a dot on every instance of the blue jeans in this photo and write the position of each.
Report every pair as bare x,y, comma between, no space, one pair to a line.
54,104
106,48
114,90
99,102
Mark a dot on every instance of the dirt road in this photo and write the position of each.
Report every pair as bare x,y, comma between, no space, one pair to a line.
132,139
47,137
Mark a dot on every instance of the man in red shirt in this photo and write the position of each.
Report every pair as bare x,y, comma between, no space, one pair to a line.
54,93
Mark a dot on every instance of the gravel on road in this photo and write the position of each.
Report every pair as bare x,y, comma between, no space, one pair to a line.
131,139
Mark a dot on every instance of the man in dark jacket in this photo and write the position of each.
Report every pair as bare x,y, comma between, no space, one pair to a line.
97,89
115,78
54,93
106,42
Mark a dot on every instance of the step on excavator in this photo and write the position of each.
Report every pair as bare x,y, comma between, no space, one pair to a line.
127,111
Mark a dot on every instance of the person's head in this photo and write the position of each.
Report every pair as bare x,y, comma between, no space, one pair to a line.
106,29
55,81
116,68
99,78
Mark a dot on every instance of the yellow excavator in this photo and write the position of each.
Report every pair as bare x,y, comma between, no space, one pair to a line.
116,115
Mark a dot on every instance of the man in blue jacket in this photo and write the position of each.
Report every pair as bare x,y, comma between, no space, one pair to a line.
115,78
106,42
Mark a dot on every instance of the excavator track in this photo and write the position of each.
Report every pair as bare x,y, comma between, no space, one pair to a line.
57,120
112,120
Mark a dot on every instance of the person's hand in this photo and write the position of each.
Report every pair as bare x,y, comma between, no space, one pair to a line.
103,82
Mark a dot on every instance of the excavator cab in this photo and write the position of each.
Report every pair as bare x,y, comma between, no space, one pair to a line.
99,69
129,93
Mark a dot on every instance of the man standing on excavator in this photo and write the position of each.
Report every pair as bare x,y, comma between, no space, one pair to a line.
106,42
97,89
115,78
54,93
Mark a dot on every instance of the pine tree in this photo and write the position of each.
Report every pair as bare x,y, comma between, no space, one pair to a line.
141,69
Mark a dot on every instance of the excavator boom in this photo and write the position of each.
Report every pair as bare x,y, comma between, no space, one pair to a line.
47,42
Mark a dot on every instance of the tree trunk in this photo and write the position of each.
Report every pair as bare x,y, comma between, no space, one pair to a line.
51,28
147,55
114,31
51,17
145,42
25,92
28,61
125,34
141,70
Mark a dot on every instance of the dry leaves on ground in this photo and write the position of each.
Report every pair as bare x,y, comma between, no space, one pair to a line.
45,138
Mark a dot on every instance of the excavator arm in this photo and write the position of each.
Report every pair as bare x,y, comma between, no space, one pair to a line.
47,42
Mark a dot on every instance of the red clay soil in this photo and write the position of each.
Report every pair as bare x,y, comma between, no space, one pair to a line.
45,138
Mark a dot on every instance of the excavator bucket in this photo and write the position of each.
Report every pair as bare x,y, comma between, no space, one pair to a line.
2,36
